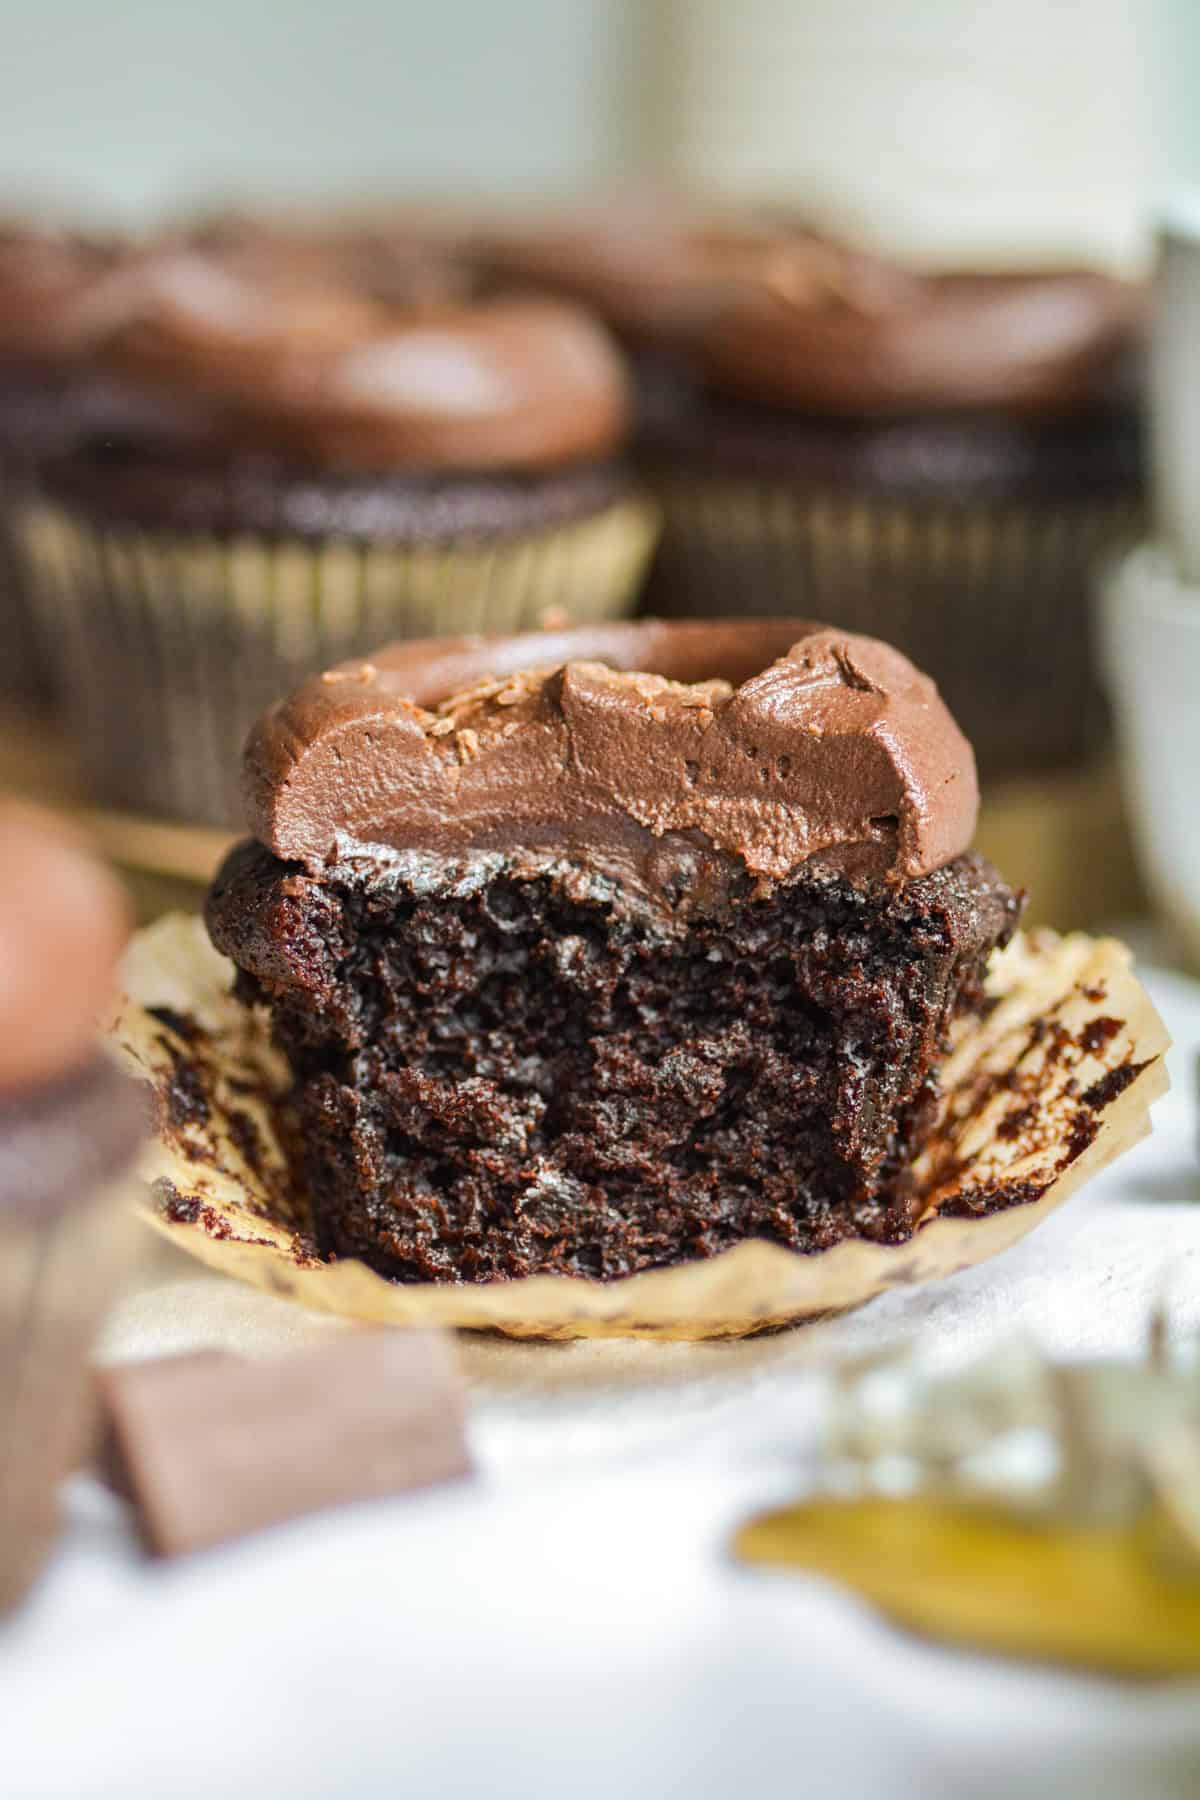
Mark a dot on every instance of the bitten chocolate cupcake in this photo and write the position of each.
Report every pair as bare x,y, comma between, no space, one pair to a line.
939,459
316,468
70,1124
597,951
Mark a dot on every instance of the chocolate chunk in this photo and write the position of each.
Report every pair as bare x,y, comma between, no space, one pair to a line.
209,1447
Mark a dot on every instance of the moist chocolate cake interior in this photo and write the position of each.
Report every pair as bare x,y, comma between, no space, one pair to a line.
515,1080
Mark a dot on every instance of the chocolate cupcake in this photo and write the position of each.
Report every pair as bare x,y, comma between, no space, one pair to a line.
597,951
311,468
46,278
70,1123
939,459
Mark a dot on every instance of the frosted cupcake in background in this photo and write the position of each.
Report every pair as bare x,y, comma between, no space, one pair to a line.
70,1124
652,266
46,278
941,460
655,267
303,463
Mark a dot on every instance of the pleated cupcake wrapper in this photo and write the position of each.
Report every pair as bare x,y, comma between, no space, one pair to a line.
57,1278
24,678
993,600
1037,1097
171,644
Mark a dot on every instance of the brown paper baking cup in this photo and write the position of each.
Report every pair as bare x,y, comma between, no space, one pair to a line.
993,600
24,678
56,1279
1054,1083
170,645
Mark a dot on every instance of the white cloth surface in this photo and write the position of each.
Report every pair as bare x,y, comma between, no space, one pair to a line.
569,1622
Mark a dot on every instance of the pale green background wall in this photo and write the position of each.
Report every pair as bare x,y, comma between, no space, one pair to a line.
133,102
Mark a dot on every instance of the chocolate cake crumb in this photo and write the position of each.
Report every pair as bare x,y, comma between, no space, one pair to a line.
180,1209
986,1197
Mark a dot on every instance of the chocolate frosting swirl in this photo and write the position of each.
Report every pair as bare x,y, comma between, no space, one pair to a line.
277,353
842,335
774,742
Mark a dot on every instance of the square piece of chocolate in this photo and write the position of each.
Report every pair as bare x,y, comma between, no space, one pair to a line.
210,1447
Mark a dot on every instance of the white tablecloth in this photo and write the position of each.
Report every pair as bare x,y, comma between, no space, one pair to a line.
569,1622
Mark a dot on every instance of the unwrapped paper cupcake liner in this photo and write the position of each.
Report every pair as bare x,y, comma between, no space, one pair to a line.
57,1277
991,599
169,644
1038,1095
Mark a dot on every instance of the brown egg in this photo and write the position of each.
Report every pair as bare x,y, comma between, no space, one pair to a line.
63,921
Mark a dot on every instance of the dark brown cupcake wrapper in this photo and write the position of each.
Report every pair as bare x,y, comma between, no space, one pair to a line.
57,1277
170,645
993,599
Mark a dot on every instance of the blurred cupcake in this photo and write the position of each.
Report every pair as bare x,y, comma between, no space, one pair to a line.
315,470
938,460
70,1124
46,277
655,268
